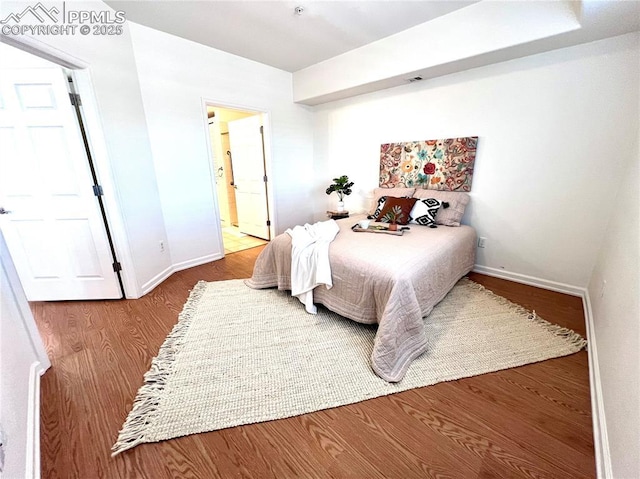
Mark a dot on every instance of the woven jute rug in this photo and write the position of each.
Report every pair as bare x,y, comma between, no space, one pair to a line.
241,356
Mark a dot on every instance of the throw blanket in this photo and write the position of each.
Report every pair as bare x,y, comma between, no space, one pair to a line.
310,260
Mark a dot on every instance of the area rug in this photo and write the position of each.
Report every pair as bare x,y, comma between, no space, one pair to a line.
240,356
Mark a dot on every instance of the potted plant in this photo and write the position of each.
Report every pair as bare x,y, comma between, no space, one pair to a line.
393,216
342,186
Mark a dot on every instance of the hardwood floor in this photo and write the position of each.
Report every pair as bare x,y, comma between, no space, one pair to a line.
528,422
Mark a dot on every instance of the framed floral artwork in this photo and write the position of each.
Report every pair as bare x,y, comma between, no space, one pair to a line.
432,164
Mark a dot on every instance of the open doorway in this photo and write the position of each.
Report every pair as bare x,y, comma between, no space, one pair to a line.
239,164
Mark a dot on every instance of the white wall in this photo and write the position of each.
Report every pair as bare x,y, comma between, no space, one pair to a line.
128,153
176,76
22,361
616,319
555,132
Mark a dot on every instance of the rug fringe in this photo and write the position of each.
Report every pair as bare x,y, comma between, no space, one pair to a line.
145,406
570,335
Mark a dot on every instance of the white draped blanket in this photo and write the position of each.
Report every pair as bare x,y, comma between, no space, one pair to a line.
310,260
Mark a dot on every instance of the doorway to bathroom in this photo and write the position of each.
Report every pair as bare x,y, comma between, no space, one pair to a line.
237,141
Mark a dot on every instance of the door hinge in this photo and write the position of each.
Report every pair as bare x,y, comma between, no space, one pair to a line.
261,130
268,223
97,190
264,178
117,267
75,99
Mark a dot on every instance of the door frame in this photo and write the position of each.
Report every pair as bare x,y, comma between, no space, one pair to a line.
81,72
266,119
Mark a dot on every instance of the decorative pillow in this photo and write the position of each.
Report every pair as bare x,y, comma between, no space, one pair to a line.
396,210
457,200
424,212
395,192
379,207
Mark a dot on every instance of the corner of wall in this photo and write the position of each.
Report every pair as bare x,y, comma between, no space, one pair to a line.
601,440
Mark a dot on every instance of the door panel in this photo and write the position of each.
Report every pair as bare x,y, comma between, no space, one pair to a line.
78,238
245,140
55,232
42,260
51,143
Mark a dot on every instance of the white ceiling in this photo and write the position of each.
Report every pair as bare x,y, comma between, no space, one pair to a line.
271,32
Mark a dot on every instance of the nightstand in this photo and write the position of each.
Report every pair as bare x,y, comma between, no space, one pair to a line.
337,215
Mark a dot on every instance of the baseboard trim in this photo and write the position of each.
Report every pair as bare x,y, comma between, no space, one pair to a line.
32,467
530,280
156,280
600,436
162,276
197,261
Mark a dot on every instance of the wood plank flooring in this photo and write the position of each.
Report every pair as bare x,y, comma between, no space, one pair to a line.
528,422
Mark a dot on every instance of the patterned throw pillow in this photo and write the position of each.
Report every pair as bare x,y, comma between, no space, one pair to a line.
398,209
424,212
457,199
378,209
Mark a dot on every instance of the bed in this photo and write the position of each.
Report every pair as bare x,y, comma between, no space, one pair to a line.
394,281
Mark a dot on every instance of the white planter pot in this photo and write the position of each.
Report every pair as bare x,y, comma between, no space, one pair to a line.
340,208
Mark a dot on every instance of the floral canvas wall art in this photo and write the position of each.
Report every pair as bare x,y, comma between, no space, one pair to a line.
445,164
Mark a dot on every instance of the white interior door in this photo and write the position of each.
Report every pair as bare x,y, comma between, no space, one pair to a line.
245,138
54,231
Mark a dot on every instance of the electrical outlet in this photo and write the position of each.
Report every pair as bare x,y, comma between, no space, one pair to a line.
482,241
161,246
